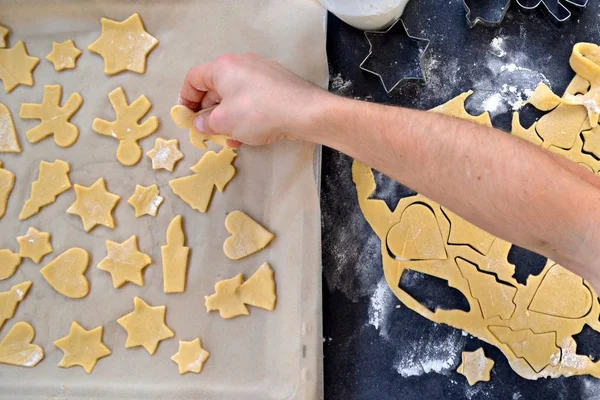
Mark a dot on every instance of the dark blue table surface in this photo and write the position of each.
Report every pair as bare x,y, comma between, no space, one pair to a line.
374,348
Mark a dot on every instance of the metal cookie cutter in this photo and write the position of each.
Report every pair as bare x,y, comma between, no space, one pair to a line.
486,12
395,56
556,8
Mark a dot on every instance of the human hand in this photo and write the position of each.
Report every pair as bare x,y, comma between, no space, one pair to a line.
258,100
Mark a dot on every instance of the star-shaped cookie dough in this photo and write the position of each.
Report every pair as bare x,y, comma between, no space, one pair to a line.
125,262
124,45
146,200
35,245
64,55
476,367
94,205
145,326
16,67
3,35
165,154
82,347
191,356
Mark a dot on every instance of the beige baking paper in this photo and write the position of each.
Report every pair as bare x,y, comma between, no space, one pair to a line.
265,355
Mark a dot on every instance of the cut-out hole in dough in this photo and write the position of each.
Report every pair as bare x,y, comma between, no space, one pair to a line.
587,343
526,262
432,292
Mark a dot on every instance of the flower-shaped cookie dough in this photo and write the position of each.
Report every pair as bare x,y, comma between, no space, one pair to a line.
34,244
94,205
165,154
191,356
475,366
146,200
64,55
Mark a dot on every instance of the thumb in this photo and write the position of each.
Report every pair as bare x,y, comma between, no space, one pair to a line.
213,120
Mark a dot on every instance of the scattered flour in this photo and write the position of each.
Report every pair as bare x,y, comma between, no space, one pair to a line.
497,47
339,85
590,389
380,306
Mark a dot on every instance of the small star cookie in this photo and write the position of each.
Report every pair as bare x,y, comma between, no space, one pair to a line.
34,245
82,347
125,262
146,200
94,205
475,366
191,356
165,154
145,326
64,55
16,67
124,45
3,35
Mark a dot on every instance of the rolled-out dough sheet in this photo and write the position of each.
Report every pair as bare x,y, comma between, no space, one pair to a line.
270,354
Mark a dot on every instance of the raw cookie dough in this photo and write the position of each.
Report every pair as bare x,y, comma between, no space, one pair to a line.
34,245
82,347
10,299
125,262
17,349
126,127
146,200
247,236
145,326
191,356
3,35
184,118
94,205
64,55
7,182
8,134
16,67
475,366
585,61
165,154
125,45
175,258
9,262
532,324
232,295
66,273
213,170
53,179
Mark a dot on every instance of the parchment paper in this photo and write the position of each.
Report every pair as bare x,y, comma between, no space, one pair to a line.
265,355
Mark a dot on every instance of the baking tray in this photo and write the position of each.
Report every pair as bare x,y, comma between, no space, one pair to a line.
267,355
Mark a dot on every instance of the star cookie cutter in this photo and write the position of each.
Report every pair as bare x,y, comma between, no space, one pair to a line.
387,58
557,9
485,12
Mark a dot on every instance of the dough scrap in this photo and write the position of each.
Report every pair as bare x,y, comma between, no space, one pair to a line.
165,154
125,262
34,245
191,356
7,183
475,366
16,67
175,258
94,205
543,98
64,55
529,134
8,134
66,273
145,326
456,108
17,349
124,45
54,118
82,347
247,236
9,262
146,200
536,340
3,36
213,170
465,233
53,180
232,295
10,300
585,61
184,118
126,127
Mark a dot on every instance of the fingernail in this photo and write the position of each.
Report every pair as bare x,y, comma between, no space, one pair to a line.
199,124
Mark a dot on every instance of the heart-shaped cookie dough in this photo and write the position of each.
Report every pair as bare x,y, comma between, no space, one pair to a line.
66,273
16,347
247,236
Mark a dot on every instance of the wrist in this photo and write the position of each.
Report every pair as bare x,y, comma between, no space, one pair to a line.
319,121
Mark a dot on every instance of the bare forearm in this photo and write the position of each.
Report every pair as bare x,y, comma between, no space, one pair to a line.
501,183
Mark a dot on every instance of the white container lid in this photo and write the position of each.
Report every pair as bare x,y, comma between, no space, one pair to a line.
367,14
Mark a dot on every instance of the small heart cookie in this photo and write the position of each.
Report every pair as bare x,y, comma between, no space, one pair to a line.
66,273
247,236
16,347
